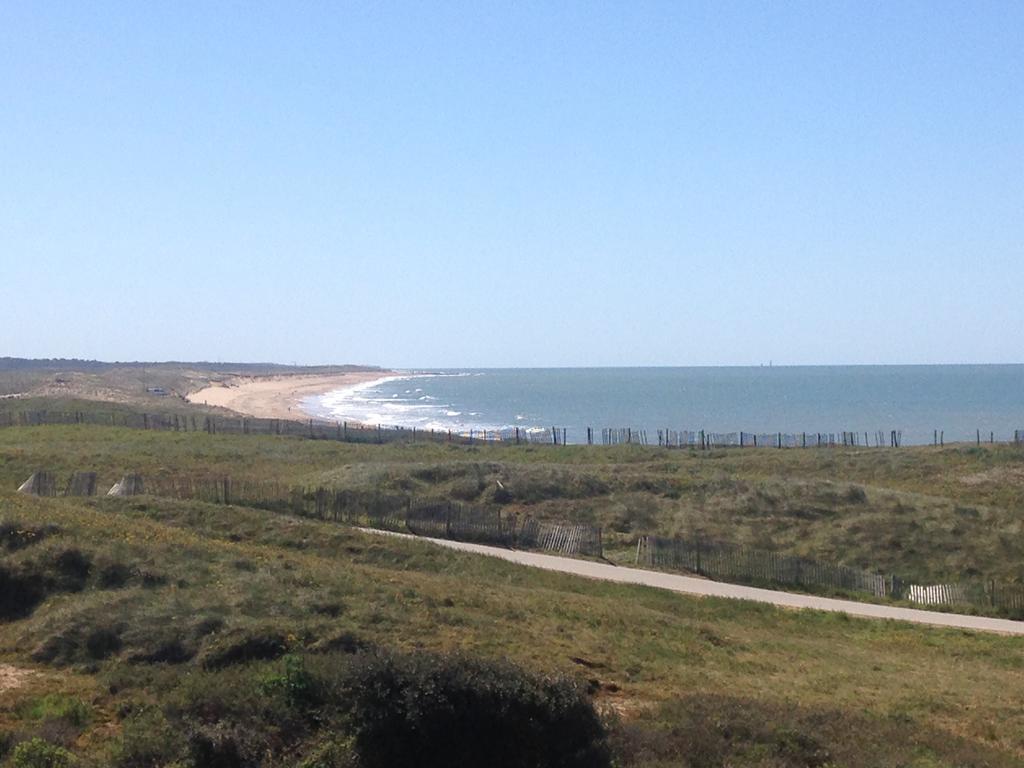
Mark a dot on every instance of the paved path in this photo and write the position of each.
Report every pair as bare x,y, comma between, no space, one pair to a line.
694,586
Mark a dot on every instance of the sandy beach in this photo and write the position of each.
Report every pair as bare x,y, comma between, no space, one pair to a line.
277,397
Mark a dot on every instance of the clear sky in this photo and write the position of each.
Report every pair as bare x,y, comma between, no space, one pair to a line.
513,184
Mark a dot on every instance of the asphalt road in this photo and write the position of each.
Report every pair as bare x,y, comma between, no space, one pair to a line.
694,586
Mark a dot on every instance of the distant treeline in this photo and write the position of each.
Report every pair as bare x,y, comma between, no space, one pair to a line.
70,365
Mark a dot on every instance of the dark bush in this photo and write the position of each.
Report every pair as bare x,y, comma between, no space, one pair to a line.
242,647
217,747
20,593
442,711
468,489
332,609
15,536
172,651
72,567
114,575
345,642
150,579
502,495
102,642
857,495
24,587
439,473
76,644
207,626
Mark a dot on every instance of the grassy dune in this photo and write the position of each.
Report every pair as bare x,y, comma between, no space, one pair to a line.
175,589
134,625
927,514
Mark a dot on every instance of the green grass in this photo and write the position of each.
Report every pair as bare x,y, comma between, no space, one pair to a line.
872,693
184,604
56,706
929,515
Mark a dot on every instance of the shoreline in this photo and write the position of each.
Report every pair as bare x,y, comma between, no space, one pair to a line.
279,396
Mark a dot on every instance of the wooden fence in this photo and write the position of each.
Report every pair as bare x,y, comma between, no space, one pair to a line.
241,425
318,429
397,512
394,512
704,440
567,538
727,562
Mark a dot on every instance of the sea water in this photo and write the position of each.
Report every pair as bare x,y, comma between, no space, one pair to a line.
958,400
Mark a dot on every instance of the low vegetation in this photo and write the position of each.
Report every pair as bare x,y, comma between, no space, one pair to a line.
154,632
241,637
930,515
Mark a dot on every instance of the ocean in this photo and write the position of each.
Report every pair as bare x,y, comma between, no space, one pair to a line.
916,400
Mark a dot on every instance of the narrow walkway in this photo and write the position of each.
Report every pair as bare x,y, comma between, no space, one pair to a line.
693,586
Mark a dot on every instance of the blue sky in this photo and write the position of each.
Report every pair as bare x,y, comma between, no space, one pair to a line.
521,184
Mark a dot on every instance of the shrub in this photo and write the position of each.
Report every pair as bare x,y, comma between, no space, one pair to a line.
148,741
15,536
294,683
102,642
331,754
444,711
6,743
171,651
57,706
344,641
41,754
229,718
857,495
468,489
20,593
24,587
241,647
72,567
79,643
114,575
218,746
